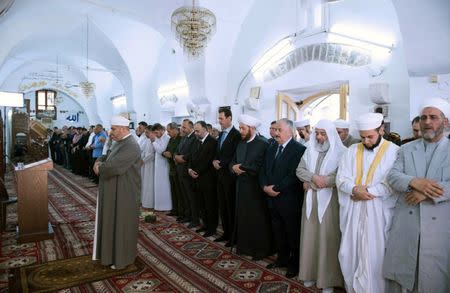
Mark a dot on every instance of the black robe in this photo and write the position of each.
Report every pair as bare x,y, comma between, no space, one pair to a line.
253,226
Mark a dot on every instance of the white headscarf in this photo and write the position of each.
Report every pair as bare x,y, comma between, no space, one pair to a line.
329,165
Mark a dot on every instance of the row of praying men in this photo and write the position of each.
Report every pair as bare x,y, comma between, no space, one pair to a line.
372,217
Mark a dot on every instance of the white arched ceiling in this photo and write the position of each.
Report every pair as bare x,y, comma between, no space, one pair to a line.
130,41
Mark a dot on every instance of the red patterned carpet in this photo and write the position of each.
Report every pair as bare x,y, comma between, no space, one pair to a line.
176,258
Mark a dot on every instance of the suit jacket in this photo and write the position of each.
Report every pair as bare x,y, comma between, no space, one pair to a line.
202,156
281,172
225,153
185,148
427,222
172,147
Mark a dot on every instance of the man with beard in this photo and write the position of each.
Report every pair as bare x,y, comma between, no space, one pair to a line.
418,248
304,130
252,232
366,202
320,236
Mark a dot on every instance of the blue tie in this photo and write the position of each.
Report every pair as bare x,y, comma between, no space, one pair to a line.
223,137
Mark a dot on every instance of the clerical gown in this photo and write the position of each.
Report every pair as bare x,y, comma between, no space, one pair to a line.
320,240
116,229
148,174
163,197
364,224
253,233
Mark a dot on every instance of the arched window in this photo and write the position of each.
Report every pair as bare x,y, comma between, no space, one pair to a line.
45,104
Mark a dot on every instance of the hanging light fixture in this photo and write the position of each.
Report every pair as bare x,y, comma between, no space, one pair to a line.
86,86
193,27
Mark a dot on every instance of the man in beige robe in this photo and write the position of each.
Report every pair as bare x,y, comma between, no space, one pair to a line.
320,236
116,229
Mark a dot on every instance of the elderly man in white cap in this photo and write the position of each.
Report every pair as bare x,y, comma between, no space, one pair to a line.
304,131
343,129
418,248
366,202
116,229
252,226
320,236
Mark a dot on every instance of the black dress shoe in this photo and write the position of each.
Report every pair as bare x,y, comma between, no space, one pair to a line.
275,265
221,238
290,274
172,214
184,220
257,258
228,244
202,229
192,225
208,234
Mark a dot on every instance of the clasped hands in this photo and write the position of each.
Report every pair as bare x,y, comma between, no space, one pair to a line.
423,189
318,181
193,174
237,169
96,166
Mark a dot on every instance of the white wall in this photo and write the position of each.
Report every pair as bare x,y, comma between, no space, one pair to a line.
421,88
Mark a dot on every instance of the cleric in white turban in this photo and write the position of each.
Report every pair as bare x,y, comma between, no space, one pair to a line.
116,221
304,131
366,203
418,248
343,129
249,121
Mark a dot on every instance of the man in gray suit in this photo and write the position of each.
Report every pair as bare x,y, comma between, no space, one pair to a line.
417,255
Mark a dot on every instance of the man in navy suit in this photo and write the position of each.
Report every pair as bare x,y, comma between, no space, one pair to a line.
226,182
284,195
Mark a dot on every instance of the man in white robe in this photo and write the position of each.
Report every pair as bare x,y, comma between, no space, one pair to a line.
163,197
139,134
148,169
366,202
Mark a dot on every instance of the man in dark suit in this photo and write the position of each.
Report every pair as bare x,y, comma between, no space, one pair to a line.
226,182
202,172
272,131
175,138
284,194
181,157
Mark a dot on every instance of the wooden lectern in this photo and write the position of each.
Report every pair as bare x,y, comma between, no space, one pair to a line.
32,202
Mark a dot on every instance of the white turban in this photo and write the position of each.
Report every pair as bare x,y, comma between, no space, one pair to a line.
120,121
341,124
369,121
437,103
301,123
249,120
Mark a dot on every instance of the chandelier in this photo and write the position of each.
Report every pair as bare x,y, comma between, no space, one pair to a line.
87,87
193,27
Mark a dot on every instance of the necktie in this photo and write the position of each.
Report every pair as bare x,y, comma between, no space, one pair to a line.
223,137
279,151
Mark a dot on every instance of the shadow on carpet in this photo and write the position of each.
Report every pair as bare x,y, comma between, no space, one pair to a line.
65,273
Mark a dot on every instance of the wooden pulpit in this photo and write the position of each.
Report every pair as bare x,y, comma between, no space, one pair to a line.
32,202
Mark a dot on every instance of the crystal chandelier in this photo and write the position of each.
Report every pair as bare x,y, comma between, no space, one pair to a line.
193,27
87,87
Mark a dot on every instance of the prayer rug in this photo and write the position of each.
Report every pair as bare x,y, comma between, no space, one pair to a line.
65,273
